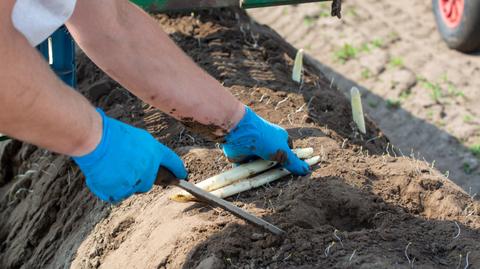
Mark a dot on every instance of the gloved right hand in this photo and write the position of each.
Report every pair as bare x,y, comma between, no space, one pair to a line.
126,161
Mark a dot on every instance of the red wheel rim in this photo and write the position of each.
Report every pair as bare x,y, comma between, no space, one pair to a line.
452,11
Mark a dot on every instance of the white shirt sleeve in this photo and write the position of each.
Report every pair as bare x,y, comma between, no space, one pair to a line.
38,19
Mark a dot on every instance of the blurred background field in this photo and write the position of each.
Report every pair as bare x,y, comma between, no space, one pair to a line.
422,94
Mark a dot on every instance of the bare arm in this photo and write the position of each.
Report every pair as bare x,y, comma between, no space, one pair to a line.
35,106
127,44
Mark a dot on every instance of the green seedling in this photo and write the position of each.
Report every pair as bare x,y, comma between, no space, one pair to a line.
377,43
365,48
308,21
444,77
430,114
436,90
324,10
475,149
396,62
366,73
467,118
393,35
324,14
453,91
467,168
405,95
441,123
351,12
347,52
393,103
372,104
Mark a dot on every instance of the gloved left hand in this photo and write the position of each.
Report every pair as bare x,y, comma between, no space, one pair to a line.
126,161
255,137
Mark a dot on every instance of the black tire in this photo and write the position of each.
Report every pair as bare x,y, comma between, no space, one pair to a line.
465,37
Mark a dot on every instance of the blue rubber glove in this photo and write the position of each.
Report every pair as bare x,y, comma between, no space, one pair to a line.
254,136
126,161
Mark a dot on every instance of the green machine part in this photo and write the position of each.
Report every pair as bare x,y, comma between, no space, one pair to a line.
187,5
267,3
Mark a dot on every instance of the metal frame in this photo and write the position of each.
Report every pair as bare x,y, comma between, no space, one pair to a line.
178,5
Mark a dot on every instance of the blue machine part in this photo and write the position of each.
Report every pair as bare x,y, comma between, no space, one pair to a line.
59,50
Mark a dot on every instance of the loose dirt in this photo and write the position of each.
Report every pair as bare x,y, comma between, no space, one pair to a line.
364,206
420,93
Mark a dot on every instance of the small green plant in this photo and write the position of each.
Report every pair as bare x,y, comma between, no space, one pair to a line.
396,62
393,35
436,90
475,149
352,12
453,91
365,48
308,21
467,118
405,95
467,168
430,114
436,93
377,43
346,53
324,14
393,103
366,73
444,77
372,104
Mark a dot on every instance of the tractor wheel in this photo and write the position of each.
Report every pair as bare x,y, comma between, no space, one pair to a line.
458,22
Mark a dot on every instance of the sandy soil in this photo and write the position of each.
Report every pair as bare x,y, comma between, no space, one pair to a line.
420,93
364,206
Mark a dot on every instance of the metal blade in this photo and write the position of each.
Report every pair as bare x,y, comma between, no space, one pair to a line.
214,200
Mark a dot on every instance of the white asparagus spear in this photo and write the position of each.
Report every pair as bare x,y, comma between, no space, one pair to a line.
298,66
237,173
357,110
251,183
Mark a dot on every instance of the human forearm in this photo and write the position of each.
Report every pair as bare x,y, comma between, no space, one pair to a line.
150,65
37,107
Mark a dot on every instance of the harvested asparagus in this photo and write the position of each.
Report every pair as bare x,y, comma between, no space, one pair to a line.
237,173
298,66
254,182
357,110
